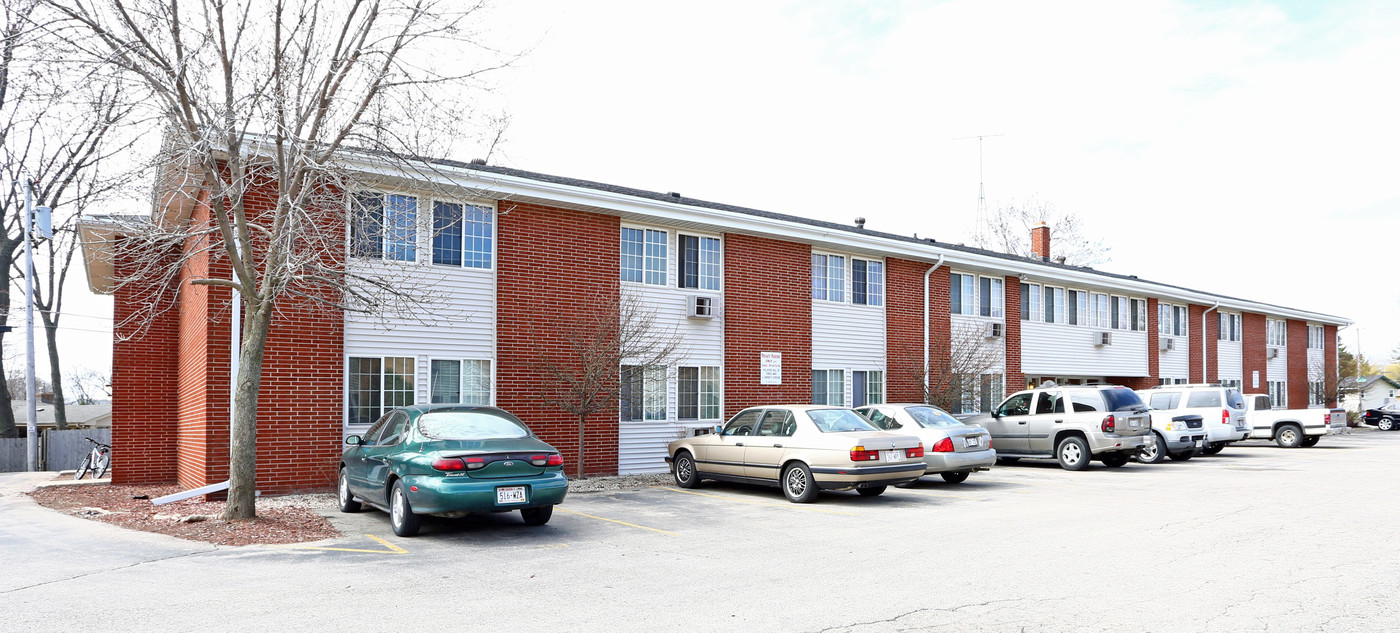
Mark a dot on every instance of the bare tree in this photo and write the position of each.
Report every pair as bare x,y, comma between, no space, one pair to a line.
88,385
583,362
957,381
1008,230
55,129
267,107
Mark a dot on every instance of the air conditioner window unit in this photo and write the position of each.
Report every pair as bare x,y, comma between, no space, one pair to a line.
994,330
1166,344
700,307
1273,352
1103,338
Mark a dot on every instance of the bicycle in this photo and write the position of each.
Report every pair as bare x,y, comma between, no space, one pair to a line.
96,461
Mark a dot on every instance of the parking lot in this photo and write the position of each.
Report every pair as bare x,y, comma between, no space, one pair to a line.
1257,538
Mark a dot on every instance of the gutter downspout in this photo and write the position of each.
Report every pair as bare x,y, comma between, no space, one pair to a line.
1204,344
927,275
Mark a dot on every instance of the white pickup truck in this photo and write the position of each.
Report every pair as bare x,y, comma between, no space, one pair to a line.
1290,428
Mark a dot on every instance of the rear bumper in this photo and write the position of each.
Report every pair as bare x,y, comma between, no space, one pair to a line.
1115,443
463,494
829,478
1225,433
1181,441
1319,429
950,462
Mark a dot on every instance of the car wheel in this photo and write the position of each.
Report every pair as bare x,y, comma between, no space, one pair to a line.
1114,460
1311,441
798,485
401,515
1213,448
1182,456
347,500
1385,424
1289,436
873,491
955,477
537,516
684,471
1073,453
1008,460
1154,451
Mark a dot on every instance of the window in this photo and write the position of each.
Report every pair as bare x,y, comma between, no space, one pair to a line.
829,387
1204,398
867,387
962,294
699,262
1081,401
1164,319
1276,333
644,256
1139,315
643,394
697,392
461,235
1019,404
777,423
1232,384
993,298
992,389
1030,301
1165,401
1179,316
378,384
1315,392
742,424
1098,310
1229,323
460,382
1049,402
384,226
1054,305
1314,337
867,282
829,277
1121,313
1278,393
1078,305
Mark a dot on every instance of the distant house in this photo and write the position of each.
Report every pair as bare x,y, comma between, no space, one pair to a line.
79,415
1369,392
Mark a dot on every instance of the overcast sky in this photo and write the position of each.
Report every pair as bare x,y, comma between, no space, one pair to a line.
1246,148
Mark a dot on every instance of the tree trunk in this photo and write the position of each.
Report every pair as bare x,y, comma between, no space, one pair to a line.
581,420
60,414
7,412
243,432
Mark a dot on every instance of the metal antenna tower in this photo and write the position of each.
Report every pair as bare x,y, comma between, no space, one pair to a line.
981,183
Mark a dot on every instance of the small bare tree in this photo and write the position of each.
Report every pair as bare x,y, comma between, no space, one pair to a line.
949,382
583,361
267,106
88,385
1008,230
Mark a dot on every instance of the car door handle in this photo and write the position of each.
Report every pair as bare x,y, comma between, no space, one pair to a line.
738,443
1059,421
1021,422
777,446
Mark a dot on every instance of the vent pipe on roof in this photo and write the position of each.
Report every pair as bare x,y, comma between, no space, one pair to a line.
674,195
478,161
860,223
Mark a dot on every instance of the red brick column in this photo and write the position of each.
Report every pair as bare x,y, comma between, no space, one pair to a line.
767,308
552,265
1255,350
1297,364
1195,339
904,329
1015,378
145,359
1329,362
1154,366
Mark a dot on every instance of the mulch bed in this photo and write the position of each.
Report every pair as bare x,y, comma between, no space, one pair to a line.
192,519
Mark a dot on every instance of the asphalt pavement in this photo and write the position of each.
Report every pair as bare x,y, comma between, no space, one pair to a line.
1257,538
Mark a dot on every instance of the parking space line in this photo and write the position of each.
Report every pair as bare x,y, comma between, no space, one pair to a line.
789,506
389,548
640,527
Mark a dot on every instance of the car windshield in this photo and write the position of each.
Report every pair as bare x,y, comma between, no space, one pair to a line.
469,425
931,418
839,421
1121,399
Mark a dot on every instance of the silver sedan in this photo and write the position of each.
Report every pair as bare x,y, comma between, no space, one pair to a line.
951,449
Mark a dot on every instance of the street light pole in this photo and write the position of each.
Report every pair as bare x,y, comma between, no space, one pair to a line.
31,404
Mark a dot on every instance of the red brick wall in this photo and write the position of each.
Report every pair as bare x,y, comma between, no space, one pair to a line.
145,355
1154,366
1209,336
549,261
1254,348
904,329
767,308
1015,378
1297,364
1329,361
201,446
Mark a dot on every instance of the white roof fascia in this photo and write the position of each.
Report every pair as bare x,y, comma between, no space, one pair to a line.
747,223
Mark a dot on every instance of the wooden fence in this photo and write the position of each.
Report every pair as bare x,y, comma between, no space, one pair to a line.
58,450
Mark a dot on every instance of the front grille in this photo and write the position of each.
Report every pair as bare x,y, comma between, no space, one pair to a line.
1193,424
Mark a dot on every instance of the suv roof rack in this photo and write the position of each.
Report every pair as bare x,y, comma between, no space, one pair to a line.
1194,384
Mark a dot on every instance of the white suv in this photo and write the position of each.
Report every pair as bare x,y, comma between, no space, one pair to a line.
1073,423
1221,409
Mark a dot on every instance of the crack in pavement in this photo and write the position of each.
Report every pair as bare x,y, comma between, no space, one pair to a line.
110,569
931,609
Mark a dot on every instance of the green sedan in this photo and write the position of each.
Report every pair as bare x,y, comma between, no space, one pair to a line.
450,461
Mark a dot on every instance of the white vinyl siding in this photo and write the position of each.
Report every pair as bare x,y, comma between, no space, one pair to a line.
1047,349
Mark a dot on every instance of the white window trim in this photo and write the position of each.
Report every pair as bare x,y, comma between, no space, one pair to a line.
383,406
491,393
845,277
851,282
665,261
679,271
423,228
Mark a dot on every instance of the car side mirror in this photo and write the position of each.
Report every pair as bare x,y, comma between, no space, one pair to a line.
719,429
355,440
996,415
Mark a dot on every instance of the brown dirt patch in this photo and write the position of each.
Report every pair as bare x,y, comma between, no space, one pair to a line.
277,523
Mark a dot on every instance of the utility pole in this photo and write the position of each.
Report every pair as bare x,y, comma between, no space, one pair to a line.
31,403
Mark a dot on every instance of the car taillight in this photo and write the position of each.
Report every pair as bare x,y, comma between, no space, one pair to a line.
555,460
449,464
914,452
1224,416
859,454
944,445
474,463
1109,424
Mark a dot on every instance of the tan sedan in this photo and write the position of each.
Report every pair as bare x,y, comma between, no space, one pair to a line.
800,448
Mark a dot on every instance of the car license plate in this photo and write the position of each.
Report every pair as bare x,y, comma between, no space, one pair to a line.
510,494
896,455
972,442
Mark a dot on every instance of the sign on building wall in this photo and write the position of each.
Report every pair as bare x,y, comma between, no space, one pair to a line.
1256,380
770,368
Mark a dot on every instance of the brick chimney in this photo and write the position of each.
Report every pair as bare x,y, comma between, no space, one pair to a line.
1040,241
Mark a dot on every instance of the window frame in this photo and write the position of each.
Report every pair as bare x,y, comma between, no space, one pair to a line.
462,378
647,379
991,300
964,302
701,408
384,405
871,285
826,387
828,292
703,281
